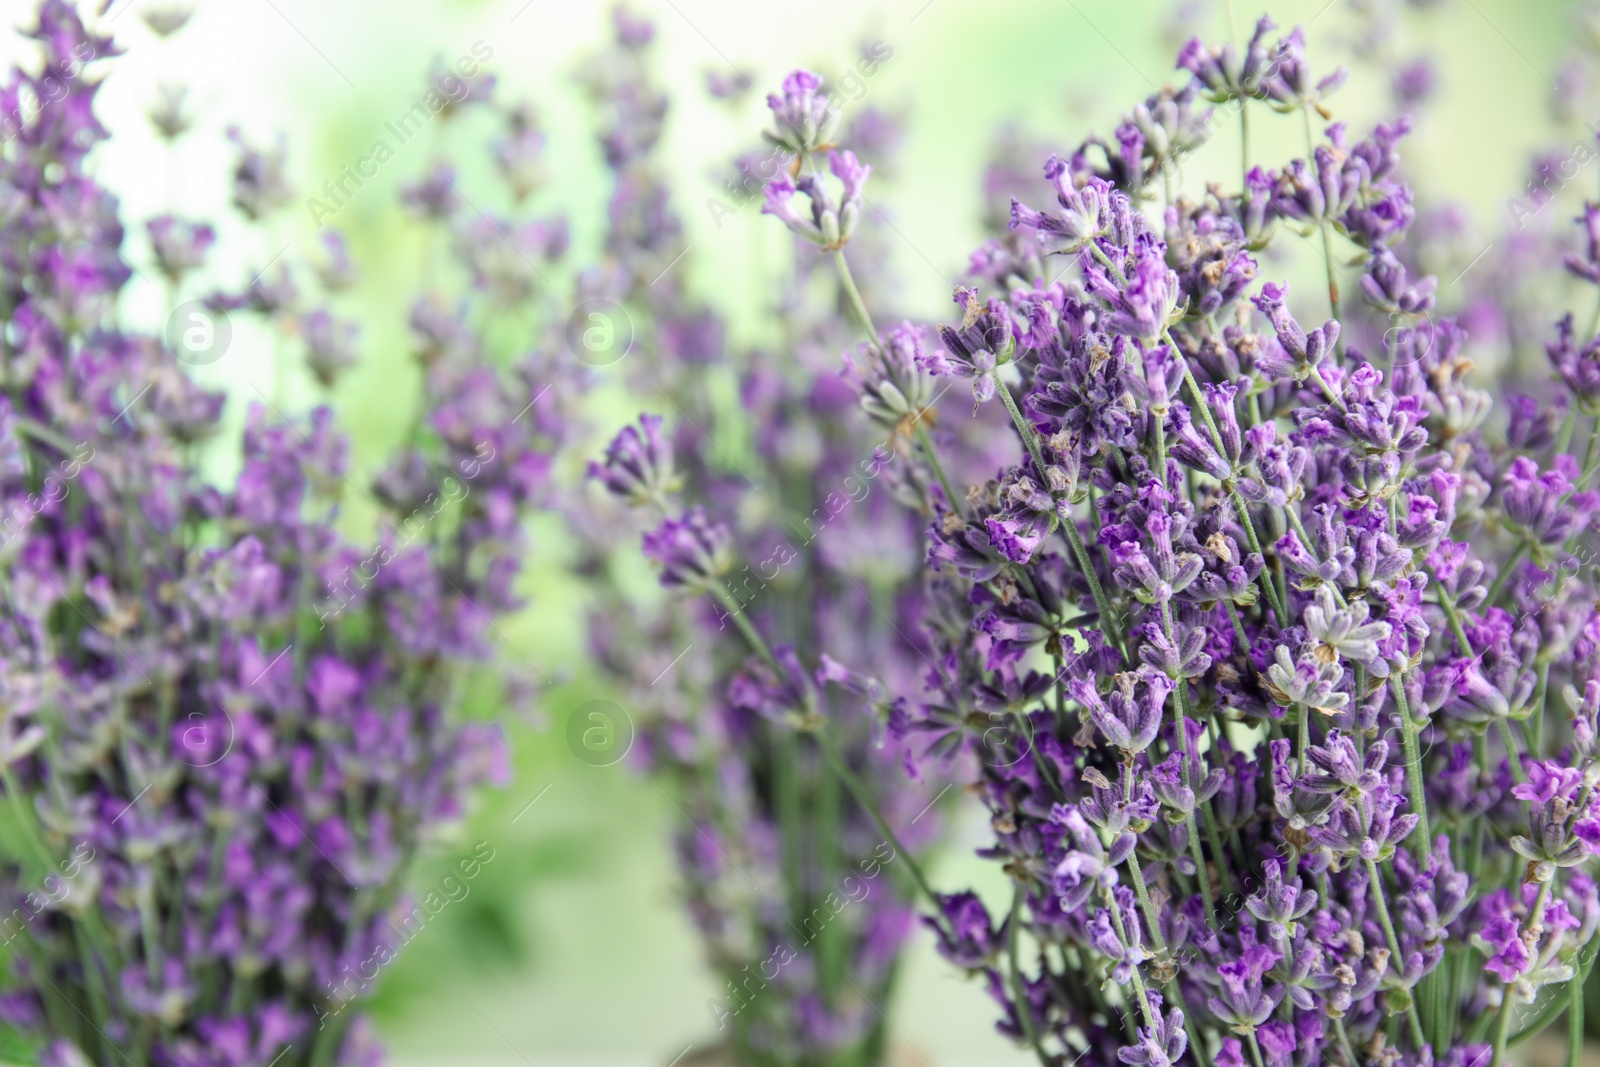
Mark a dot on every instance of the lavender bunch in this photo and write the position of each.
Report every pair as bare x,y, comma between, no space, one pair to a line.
1292,640
763,692
229,729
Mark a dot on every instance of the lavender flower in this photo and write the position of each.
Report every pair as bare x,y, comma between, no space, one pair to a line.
830,224
802,116
692,551
1297,598
246,733
179,246
775,733
638,465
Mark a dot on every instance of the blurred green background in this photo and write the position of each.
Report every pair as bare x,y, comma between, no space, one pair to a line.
570,947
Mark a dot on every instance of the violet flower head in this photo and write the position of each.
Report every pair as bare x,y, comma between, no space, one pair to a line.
829,223
179,246
691,551
1161,1046
892,378
1578,365
1140,293
1545,504
984,341
638,465
967,938
1088,865
1587,265
1304,352
1222,70
1387,287
435,196
1281,903
260,180
803,116
1081,214
1244,999
1130,716
330,345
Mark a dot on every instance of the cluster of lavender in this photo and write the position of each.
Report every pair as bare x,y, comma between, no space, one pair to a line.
1276,652
796,562
228,729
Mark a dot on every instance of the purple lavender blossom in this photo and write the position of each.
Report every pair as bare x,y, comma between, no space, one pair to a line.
281,696
770,722
802,116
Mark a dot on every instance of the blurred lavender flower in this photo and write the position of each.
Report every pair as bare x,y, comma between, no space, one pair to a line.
230,729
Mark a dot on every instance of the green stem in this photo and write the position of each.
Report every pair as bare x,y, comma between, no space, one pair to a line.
791,818
1535,722
1333,398
1394,945
926,443
1138,979
864,798
1244,149
1591,456
1239,504
1502,1025
27,819
1574,1024
1146,905
1575,986
1160,421
1255,1048
1106,261
1303,737
1019,991
854,295
1344,1043
1108,621
752,636
1322,224
1513,751
1505,573
1568,424
1238,626
93,980
1031,438
1448,603
1201,873
1413,752
1214,836
328,1040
